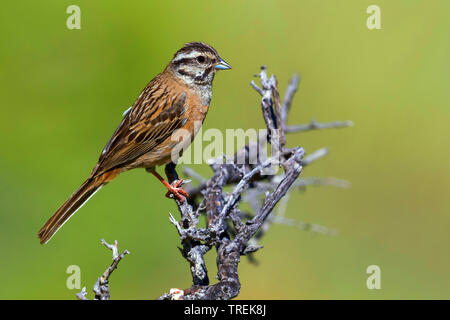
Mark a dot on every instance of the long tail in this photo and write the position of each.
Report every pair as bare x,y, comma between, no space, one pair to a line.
75,202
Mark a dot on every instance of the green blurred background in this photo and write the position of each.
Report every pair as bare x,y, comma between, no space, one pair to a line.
63,92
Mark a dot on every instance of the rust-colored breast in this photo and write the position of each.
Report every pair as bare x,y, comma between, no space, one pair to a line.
171,147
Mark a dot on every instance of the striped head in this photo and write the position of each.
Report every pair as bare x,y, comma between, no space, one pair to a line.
196,64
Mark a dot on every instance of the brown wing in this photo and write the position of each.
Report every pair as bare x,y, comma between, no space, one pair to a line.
152,119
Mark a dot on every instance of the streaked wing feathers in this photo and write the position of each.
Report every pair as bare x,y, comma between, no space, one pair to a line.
142,129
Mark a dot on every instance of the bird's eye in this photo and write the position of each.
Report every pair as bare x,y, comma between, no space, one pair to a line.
201,59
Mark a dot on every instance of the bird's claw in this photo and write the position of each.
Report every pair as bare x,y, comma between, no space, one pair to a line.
177,191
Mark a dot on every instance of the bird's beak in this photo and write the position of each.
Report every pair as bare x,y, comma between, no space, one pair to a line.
222,65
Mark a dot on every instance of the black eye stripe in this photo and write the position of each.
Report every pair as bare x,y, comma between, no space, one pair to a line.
183,61
204,75
200,59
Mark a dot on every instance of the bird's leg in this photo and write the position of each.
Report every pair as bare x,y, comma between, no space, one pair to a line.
174,187
171,173
172,177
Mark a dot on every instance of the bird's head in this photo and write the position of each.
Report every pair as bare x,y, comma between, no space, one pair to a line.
196,63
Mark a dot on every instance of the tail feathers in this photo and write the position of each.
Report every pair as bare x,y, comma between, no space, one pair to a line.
75,202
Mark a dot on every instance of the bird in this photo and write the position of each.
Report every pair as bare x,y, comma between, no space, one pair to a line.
176,100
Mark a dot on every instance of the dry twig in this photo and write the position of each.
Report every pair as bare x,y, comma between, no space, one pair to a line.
101,287
231,232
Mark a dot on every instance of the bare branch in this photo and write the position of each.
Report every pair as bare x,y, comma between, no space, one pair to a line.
101,287
315,156
289,96
230,231
314,125
309,181
304,225
241,186
193,174
82,294
255,86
